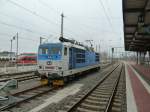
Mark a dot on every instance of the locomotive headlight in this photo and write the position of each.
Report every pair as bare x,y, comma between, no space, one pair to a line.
49,62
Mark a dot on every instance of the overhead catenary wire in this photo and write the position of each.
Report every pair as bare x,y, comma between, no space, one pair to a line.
32,12
47,20
91,29
48,7
107,16
82,25
51,9
22,28
29,39
26,29
18,19
35,14
20,37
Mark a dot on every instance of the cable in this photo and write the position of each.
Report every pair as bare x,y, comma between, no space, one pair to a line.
32,12
48,7
85,26
105,12
18,19
20,37
18,27
25,29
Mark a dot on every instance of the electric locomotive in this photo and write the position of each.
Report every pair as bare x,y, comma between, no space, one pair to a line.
58,62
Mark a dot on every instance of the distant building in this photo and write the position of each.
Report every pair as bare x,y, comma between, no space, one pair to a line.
7,56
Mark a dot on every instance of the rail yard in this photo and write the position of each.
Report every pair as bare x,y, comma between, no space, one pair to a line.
74,56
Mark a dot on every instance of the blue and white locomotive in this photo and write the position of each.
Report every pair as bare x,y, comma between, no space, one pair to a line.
61,61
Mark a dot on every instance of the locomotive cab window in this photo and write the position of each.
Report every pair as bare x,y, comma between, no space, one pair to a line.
55,50
65,51
43,51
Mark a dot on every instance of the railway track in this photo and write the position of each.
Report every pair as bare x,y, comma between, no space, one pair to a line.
30,94
15,74
106,96
22,76
119,98
27,95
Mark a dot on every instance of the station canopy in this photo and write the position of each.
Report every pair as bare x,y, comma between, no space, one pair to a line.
136,17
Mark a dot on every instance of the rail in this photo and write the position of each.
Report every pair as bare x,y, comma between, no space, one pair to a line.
108,105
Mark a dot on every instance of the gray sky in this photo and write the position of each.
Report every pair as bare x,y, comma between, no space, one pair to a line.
84,19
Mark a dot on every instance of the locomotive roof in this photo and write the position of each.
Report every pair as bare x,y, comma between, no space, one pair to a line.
66,44
60,43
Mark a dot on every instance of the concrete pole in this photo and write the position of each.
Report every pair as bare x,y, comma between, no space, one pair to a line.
17,52
99,48
137,57
40,40
149,57
11,51
96,48
62,24
140,58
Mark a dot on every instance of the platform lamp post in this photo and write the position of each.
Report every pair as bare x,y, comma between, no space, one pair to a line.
16,38
11,51
11,42
109,49
112,49
100,45
17,51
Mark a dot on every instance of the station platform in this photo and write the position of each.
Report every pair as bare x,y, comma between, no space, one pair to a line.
143,70
138,90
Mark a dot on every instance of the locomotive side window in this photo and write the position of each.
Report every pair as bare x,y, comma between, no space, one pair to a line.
65,51
96,57
80,56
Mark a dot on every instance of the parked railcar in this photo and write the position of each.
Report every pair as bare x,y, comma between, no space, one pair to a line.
59,61
27,59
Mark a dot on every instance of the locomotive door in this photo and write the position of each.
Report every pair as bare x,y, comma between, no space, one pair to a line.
71,58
